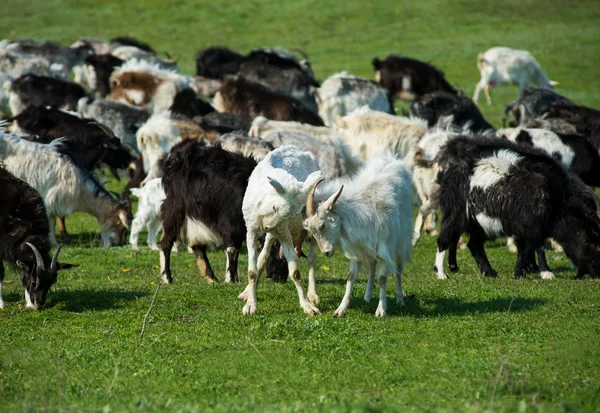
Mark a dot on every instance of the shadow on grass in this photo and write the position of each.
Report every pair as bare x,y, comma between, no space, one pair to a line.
91,300
436,307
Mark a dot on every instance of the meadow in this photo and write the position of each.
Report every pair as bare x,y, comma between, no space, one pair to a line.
464,344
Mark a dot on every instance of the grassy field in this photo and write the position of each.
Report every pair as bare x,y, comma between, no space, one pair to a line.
464,344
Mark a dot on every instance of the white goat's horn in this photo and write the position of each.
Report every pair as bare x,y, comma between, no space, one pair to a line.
310,201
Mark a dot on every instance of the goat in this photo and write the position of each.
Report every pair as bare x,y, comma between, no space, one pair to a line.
204,189
159,134
151,198
24,239
507,189
406,78
368,133
370,218
64,186
533,103
41,91
276,194
503,65
342,93
243,97
187,103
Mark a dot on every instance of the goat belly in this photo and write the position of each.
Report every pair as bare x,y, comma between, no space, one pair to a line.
196,233
491,226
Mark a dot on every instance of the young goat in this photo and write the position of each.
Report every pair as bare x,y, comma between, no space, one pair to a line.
151,198
370,218
273,203
24,239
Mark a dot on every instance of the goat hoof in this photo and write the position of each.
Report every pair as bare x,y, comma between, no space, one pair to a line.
167,279
313,298
249,308
453,267
490,274
547,275
310,309
339,313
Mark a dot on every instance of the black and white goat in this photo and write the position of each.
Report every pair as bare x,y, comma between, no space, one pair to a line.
204,189
490,188
24,239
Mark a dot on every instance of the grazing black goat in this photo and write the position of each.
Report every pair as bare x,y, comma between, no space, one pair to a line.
24,239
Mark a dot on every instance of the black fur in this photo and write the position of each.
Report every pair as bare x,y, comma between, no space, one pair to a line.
187,103
536,200
42,91
252,99
86,141
433,106
217,62
132,41
103,65
23,219
424,78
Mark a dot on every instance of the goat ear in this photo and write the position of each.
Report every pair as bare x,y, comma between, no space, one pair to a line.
275,184
23,266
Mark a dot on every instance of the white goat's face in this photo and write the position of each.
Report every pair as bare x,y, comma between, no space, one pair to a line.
279,208
325,227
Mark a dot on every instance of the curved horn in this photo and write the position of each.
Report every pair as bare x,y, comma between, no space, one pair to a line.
54,263
337,195
38,257
310,201
304,55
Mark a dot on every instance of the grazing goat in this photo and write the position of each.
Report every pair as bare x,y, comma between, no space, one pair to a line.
65,187
41,91
406,78
370,218
510,190
243,97
369,132
464,112
204,189
24,239
277,192
159,134
503,65
533,103
341,94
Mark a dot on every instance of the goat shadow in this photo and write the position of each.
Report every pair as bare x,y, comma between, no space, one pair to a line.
419,306
78,301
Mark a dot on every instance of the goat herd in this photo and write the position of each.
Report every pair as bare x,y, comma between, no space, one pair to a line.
279,160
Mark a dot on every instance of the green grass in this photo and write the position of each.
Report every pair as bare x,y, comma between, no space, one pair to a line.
465,344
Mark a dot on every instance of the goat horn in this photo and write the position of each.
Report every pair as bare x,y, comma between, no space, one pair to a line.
301,52
310,201
38,257
54,262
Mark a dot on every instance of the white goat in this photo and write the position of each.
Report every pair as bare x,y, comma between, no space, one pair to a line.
150,197
370,218
262,127
273,204
342,94
503,65
158,135
369,133
65,187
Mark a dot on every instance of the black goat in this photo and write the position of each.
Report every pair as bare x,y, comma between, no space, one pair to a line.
24,239
187,103
41,91
533,103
